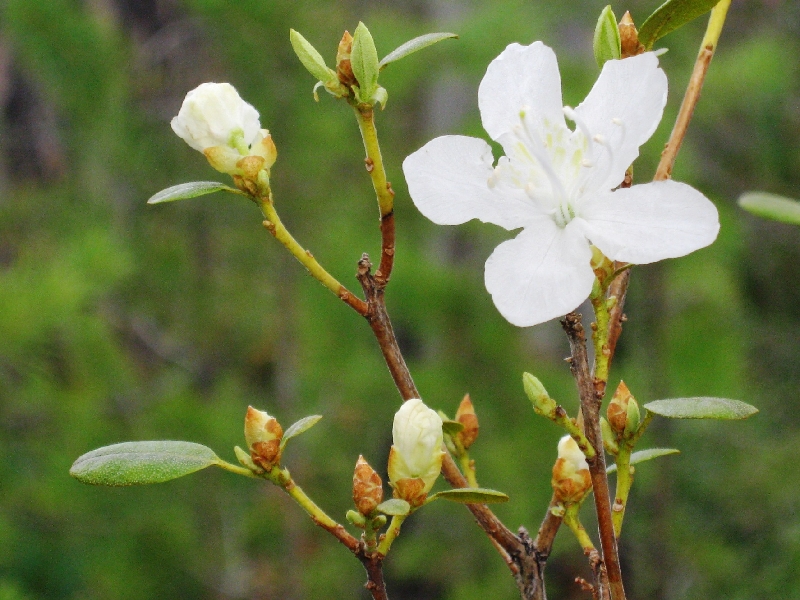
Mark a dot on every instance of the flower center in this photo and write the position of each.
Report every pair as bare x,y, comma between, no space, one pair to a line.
557,166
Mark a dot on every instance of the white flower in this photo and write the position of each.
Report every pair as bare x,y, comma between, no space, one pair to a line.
556,183
213,114
417,450
569,450
216,121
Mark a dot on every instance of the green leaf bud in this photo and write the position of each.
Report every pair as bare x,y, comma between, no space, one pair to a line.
364,61
543,404
606,38
311,59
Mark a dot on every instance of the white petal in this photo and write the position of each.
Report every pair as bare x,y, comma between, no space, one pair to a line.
448,182
541,274
522,76
650,222
633,91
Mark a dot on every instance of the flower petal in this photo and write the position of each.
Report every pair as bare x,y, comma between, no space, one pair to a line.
448,182
634,91
522,76
650,222
541,274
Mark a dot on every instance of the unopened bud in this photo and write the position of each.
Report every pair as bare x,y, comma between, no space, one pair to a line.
629,37
467,417
415,458
609,438
543,404
367,487
344,68
263,435
571,478
623,411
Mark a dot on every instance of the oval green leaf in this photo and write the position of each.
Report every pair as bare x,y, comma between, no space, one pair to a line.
299,427
606,38
193,189
138,463
364,61
643,455
472,496
394,507
701,408
411,46
771,206
670,16
311,59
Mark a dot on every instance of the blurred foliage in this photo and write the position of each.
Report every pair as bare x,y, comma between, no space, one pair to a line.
121,321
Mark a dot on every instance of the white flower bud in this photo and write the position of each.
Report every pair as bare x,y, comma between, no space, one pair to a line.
213,114
571,479
263,435
417,451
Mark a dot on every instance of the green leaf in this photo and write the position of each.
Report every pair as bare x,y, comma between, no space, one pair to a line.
607,44
364,61
771,206
411,46
643,455
311,59
193,189
701,408
135,463
394,507
670,16
451,428
299,427
472,496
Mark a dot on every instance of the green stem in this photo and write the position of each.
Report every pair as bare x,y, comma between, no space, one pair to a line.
277,229
624,482
561,418
391,534
383,190
282,478
374,160
235,468
468,467
572,521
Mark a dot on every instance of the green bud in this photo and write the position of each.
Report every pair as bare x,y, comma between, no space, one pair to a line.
365,64
633,420
543,404
379,521
606,38
356,518
311,59
245,460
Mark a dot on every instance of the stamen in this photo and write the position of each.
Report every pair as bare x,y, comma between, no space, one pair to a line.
570,113
535,147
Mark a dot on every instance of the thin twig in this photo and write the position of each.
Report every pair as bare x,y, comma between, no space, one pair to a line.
375,584
590,408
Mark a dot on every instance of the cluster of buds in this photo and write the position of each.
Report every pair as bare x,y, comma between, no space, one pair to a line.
263,435
571,478
415,458
214,120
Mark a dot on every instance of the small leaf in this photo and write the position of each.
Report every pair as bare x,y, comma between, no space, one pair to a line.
299,427
472,496
701,408
451,428
364,61
670,16
643,455
411,46
193,189
606,38
771,206
394,507
311,59
135,463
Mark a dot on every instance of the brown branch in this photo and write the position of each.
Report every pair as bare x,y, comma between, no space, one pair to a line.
590,408
375,584
690,99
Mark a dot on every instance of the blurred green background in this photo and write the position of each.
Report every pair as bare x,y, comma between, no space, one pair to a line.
120,321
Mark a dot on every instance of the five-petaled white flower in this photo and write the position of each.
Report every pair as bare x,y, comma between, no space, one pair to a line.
559,184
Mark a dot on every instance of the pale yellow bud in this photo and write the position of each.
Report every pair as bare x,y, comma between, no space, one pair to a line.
263,435
571,478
